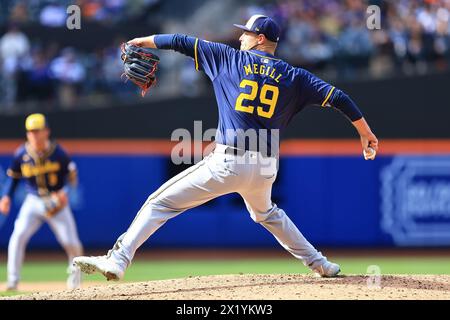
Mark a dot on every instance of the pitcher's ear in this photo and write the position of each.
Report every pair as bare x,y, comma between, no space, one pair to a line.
261,38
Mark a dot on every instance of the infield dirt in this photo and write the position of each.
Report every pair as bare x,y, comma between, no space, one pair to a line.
263,286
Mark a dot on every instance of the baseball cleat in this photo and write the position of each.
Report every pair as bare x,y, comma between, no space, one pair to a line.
328,270
102,264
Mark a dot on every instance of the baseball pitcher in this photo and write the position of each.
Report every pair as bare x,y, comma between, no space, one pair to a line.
48,173
257,95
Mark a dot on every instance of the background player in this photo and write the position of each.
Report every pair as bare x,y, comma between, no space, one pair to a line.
254,91
48,173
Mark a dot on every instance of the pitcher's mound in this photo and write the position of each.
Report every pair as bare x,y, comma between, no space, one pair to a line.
266,286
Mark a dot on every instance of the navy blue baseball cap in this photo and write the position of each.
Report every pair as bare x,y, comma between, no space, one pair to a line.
261,24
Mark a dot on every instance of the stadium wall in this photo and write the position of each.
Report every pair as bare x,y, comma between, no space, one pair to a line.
333,195
395,108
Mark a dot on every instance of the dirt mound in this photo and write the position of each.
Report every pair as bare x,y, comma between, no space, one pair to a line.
266,286
48,286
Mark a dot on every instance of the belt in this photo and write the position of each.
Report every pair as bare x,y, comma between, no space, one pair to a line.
222,148
236,151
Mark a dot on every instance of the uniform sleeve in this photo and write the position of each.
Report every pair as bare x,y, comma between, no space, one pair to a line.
14,171
14,174
315,91
10,187
69,169
346,105
208,56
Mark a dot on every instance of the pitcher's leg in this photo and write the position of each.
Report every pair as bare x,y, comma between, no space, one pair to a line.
259,204
192,187
26,224
290,238
276,221
257,197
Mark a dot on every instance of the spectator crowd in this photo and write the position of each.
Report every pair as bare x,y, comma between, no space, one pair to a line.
414,36
329,37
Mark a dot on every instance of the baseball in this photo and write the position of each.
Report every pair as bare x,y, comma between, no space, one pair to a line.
369,155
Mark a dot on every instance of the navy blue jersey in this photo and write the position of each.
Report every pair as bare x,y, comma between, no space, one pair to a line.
43,173
254,89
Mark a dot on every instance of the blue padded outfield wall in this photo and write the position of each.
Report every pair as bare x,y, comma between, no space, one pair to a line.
334,200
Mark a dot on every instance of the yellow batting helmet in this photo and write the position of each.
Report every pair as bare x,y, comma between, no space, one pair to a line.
35,121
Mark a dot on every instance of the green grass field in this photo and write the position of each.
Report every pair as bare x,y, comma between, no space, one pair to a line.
142,270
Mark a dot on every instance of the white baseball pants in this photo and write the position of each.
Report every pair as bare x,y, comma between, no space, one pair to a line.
217,174
30,218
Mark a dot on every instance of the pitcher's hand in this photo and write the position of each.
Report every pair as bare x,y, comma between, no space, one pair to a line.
146,42
369,144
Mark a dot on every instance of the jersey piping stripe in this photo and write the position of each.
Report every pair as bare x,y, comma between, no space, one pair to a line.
328,97
195,53
260,55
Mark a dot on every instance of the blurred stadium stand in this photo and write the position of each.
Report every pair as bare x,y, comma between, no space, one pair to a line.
328,37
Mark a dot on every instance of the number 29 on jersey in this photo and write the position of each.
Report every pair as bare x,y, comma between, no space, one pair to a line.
270,100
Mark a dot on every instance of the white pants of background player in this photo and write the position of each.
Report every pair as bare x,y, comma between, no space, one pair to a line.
29,220
217,174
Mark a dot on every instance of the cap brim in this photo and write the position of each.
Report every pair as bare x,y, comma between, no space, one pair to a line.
35,127
242,27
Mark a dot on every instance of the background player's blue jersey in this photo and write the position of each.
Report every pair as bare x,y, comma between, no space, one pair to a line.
254,89
43,173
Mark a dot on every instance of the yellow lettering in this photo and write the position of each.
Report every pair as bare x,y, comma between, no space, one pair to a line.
272,74
278,78
26,170
29,170
246,96
264,97
261,69
255,68
248,69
